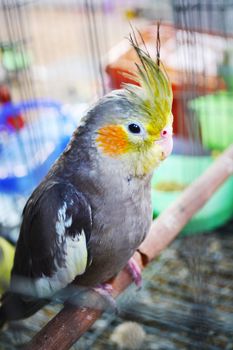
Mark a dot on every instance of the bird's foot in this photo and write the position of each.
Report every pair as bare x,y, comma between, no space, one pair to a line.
105,291
135,272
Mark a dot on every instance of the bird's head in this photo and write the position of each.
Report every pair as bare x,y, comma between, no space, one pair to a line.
134,125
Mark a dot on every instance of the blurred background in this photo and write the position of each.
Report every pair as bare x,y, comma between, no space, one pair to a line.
57,57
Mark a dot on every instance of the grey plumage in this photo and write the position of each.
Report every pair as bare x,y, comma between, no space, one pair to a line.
118,220
120,202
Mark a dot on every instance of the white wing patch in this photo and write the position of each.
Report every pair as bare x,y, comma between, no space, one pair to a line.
62,222
75,264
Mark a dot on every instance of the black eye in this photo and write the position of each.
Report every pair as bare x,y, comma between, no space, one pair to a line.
134,128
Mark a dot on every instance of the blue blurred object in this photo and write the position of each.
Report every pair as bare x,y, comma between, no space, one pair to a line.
26,154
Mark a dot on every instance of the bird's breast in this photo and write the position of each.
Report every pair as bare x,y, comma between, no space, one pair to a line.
121,220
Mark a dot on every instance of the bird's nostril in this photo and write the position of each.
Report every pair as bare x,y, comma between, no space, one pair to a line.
164,132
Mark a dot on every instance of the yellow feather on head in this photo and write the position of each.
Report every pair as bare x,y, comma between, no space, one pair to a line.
153,96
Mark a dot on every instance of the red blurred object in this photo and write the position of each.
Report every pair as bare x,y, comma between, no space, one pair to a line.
17,121
186,83
5,95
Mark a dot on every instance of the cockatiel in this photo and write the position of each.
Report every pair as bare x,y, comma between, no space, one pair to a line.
93,209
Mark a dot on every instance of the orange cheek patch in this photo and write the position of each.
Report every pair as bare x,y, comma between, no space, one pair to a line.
112,139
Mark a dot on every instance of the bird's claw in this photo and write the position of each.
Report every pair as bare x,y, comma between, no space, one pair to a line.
135,272
105,291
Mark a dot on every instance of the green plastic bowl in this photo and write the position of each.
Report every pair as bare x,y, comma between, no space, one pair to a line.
179,171
215,113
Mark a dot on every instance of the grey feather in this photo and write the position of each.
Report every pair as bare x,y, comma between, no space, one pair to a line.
120,203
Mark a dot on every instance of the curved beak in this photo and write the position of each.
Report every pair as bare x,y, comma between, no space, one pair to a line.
166,141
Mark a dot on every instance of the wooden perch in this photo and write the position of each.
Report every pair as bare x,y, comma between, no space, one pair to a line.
71,322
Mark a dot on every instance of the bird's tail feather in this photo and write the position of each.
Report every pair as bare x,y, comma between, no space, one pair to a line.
2,318
15,307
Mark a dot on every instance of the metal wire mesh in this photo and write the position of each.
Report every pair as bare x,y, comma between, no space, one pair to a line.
187,299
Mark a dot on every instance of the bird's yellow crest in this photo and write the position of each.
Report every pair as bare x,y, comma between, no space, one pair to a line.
153,96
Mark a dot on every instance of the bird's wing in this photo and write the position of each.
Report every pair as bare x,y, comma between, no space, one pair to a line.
52,247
